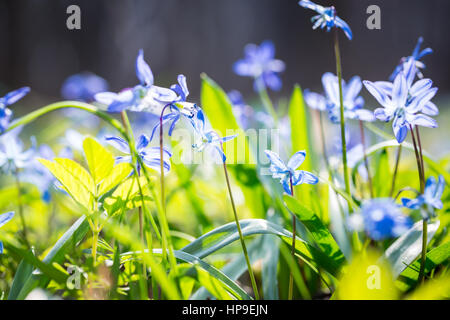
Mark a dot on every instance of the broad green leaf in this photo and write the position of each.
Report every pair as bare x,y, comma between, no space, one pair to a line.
226,234
319,231
73,185
23,272
237,267
299,138
117,175
69,240
408,247
77,171
46,269
382,175
219,110
100,160
435,257
299,126
127,195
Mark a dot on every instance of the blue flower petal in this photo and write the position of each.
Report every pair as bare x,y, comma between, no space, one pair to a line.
118,143
143,71
5,218
15,96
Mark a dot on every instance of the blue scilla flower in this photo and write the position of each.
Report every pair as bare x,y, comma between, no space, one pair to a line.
259,63
326,18
315,100
179,108
380,218
4,218
7,100
431,197
208,138
12,154
149,155
143,97
83,86
404,102
416,55
289,172
353,102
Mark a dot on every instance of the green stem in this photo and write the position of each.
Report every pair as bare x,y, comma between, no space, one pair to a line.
294,232
94,244
20,208
264,95
30,117
394,177
422,189
424,221
241,237
342,120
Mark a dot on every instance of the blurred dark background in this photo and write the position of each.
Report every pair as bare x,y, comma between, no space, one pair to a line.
195,36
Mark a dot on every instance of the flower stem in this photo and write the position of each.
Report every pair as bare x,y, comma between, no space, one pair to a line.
20,208
342,120
394,177
422,189
424,221
94,244
366,161
264,95
241,236
294,232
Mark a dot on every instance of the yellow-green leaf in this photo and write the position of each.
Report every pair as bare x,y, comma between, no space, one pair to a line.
100,160
71,183
76,170
118,174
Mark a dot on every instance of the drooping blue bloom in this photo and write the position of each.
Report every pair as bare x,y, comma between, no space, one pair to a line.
7,100
149,155
326,18
39,175
416,55
83,86
12,154
259,63
143,97
380,218
353,102
4,218
289,172
315,100
179,108
208,138
404,102
431,197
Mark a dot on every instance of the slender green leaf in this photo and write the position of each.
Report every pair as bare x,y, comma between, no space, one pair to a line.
319,231
435,257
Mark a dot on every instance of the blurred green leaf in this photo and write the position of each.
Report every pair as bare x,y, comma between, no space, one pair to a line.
69,240
319,231
434,258
408,247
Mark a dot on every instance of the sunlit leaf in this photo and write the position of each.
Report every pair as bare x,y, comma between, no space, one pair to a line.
100,160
